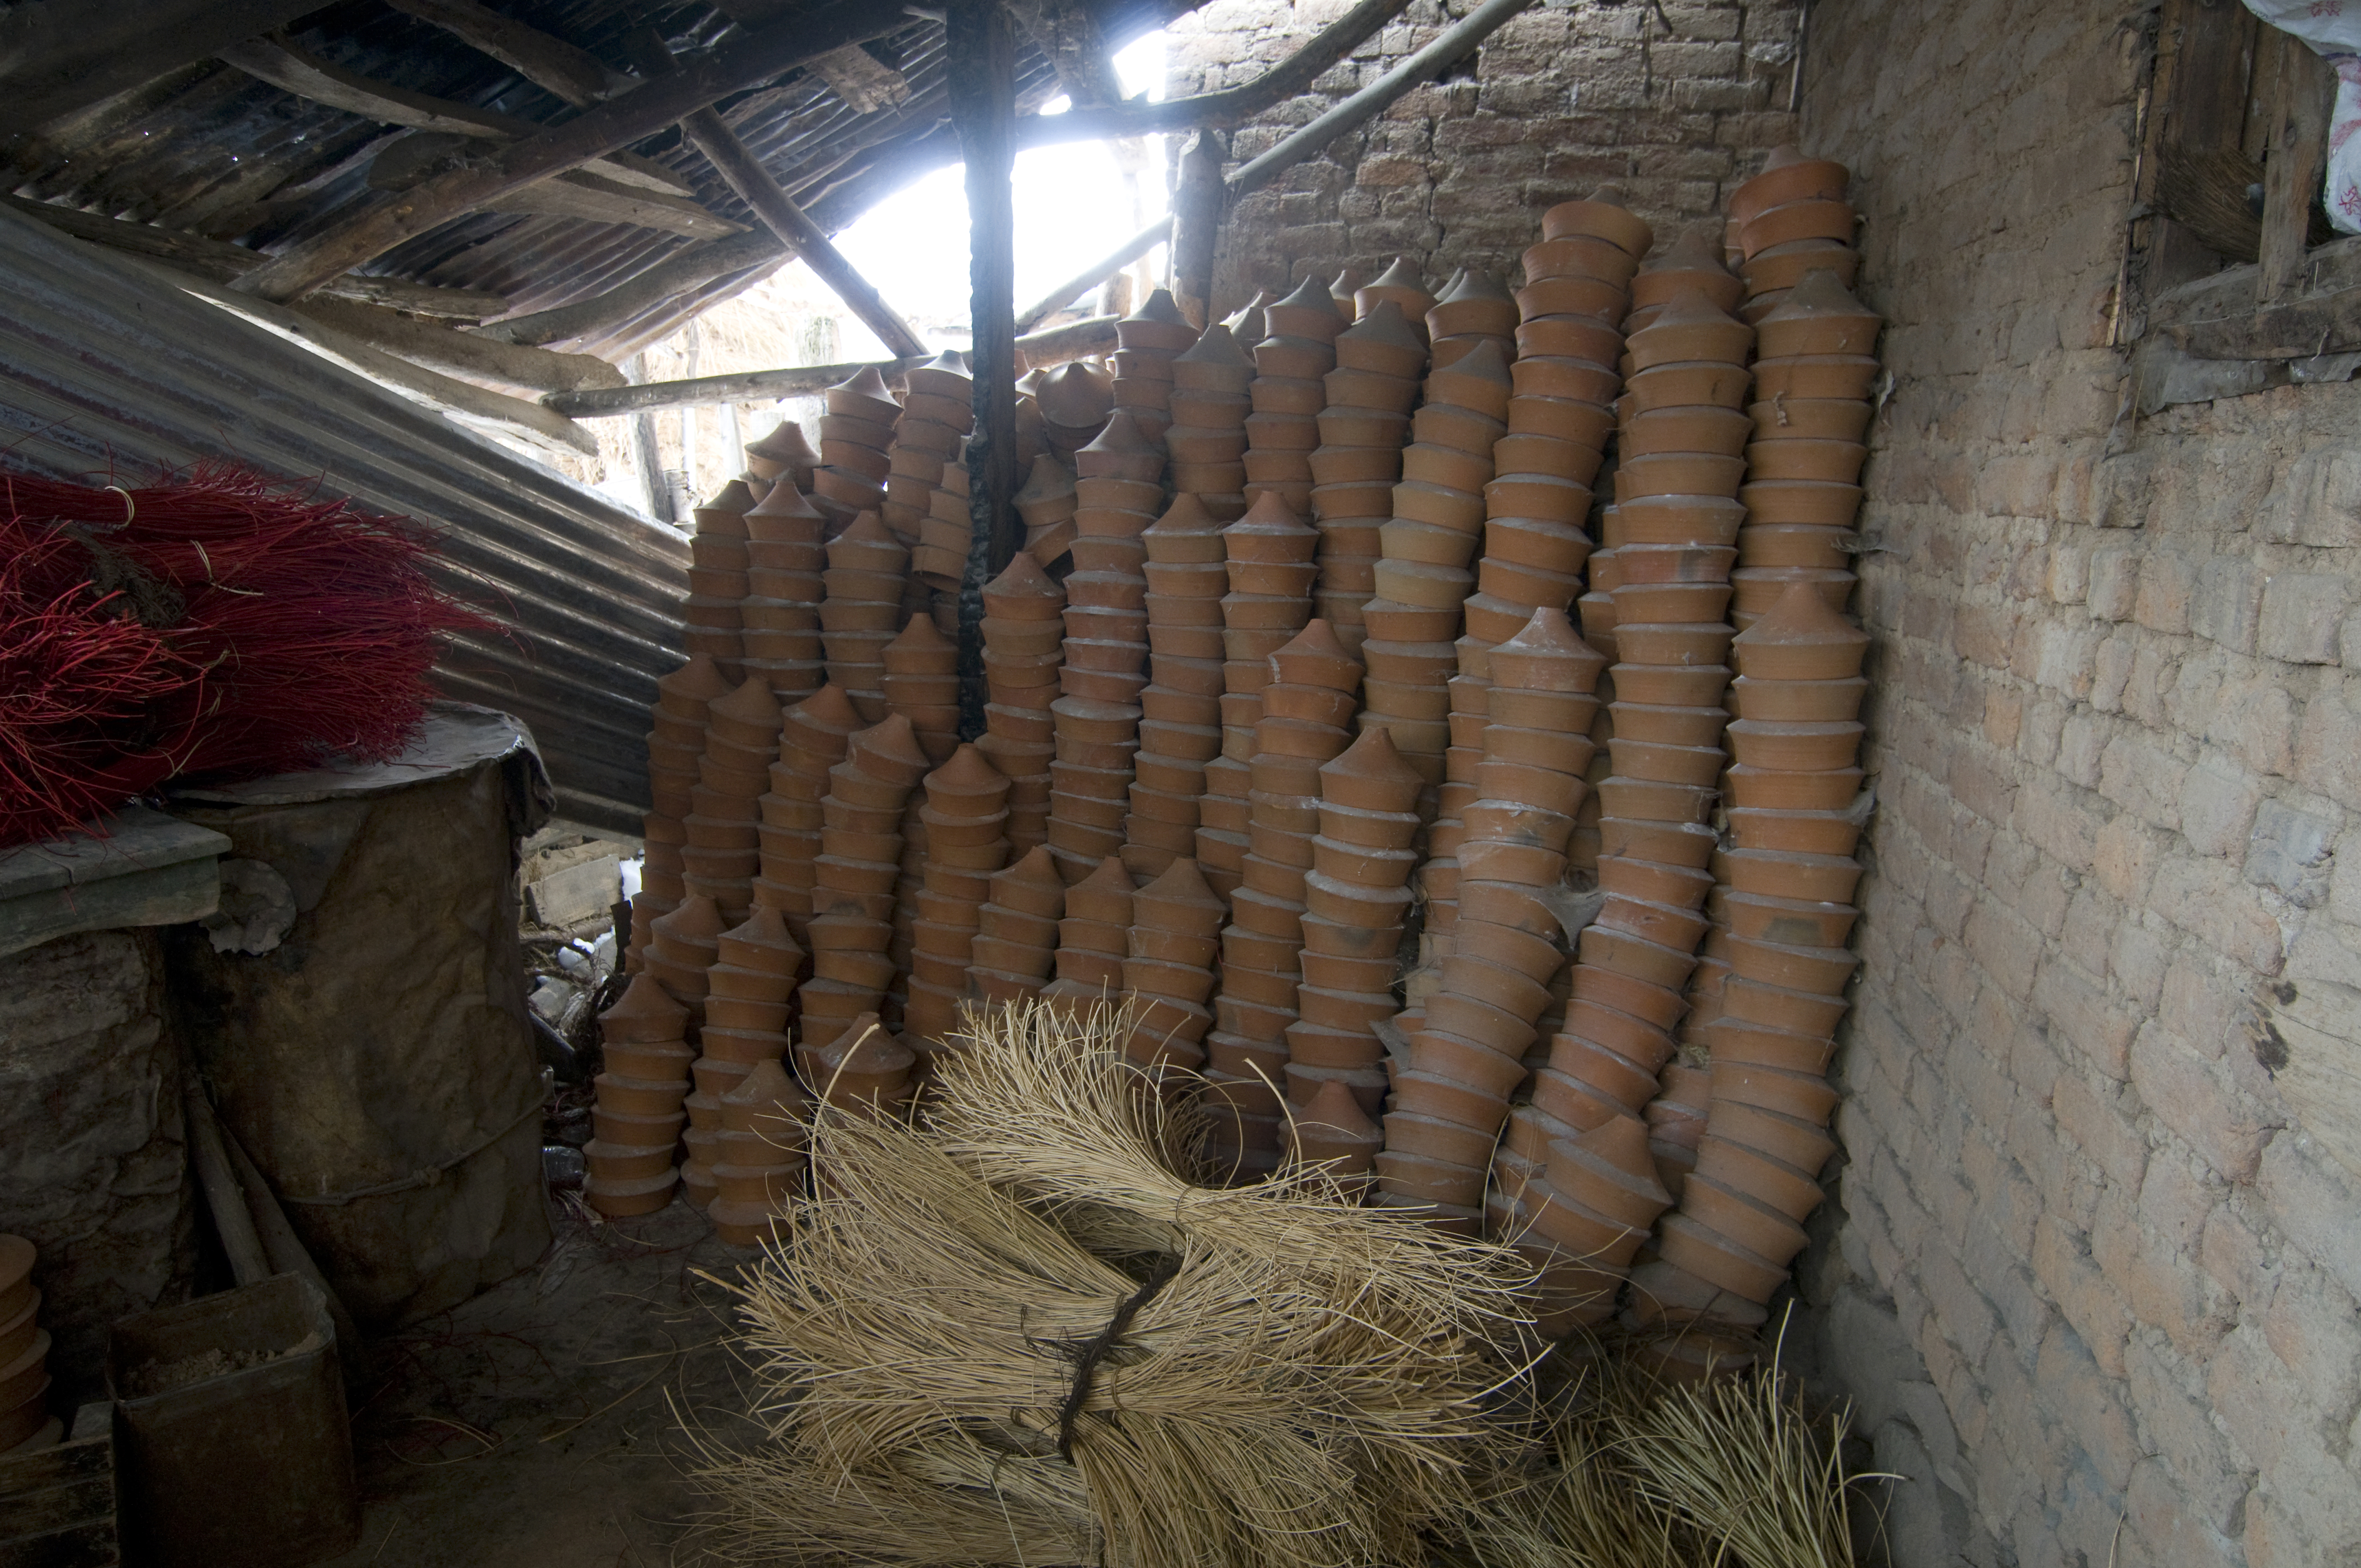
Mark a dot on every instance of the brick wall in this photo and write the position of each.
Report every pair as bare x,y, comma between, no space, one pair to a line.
1676,103
2101,1065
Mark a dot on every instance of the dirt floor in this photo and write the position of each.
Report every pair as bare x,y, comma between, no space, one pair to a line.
535,1426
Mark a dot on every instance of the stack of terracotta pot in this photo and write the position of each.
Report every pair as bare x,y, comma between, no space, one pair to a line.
966,820
1403,284
1380,361
1270,568
759,1156
785,556
676,748
1094,936
921,682
1181,714
1356,897
1332,1131
1473,310
1096,718
748,990
1676,1118
26,1424
1790,220
1307,712
856,441
1292,362
1167,967
1344,287
1494,985
681,947
1207,438
1424,577
864,1068
711,621
867,570
722,850
638,1116
812,738
1580,1213
1147,343
784,453
1047,503
937,410
854,877
1075,399
1023,638
1789,880
1016,944
943,532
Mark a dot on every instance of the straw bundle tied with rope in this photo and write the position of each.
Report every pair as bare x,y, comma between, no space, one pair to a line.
1015,1332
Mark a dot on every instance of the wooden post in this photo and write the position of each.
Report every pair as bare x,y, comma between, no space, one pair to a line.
1197,207
2292,176
645,453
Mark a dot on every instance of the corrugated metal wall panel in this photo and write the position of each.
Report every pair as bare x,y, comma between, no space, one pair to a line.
105,370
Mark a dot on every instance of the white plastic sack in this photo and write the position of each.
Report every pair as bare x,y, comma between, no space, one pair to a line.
2332,28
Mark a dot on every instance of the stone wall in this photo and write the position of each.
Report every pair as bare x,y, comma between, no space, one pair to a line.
1676,103
2103,1131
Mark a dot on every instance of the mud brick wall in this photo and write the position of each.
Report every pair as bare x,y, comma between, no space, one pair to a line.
1676,103
2098,1241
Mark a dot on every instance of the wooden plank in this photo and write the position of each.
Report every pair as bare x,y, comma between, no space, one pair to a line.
2295,329
218,263
747,61
2204,63
508,366
981,53
576,75
678,274
2293,173
64,55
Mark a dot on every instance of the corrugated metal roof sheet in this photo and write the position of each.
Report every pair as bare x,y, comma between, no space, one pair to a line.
105,369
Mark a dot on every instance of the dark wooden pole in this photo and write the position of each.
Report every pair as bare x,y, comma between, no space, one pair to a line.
1197,208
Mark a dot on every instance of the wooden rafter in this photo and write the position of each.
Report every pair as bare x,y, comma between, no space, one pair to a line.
576,75
64,55
578,193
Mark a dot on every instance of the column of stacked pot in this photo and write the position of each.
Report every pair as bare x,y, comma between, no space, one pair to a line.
1466,1056
1146,342
1167,967
1046,501
759,1156
812,739
1270,568
1096,717
937,412
856,443
1207,438
1094,937
1180,707
721,847
636,1117
1306,722
1355,902
785,454
27,1427
711,618
864,1068
1333,1133
1015,951
787,554
1737,1226
1566,375
1380,361
921,684
1075,399
1296,353
676,746
853,879
1790,220
966,819
867,570
748,992
1024,636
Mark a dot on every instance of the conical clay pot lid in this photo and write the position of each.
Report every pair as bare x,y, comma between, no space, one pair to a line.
1375,759
1696,250
1271,532
1404,285
645,1013
1185,517
752,705
1314,657
1605,214
1481,367
1047,481
868,382
867,544
967,778
785,445
1217,346
920,644
1343,287
1104,895
1032,885
888,750
1308,311
767,1102
1023,591
696,924
1475,283
1621,1142
787,503
696,684
1822,300
735,496
1548,656
1179,901
866,1048
1334,1121
1248,325
1076,396
1121,437
1385,324
946,375
1691,327
822,721
762,944
1799,631
1160,306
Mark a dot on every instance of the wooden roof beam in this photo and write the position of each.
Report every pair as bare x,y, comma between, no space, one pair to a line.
577,193
548,62
64,55
745,62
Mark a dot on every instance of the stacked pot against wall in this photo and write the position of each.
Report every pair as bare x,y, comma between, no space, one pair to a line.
1270,568
921,684
812,739
1181,708
1467,1055
1789,220
748,990
1167,967
1146,342
675,746
1306,721
722,850
856,441
1357,898
1332,1131
636,1119
938,410
1291,360
864,1069
1014,948
1380,361
966,821
784,453
758,1155
1046,501
1207,438
1096,717
1094,936
711,621
1075,399
867,570
1423,576
854,877
1024,636
786,555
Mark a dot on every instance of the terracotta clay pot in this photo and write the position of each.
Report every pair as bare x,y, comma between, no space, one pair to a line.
1726,1264
1833,833
1601,216
1692,428
1634,957
1749,1045
1819,971
1581,255
1816,376
1756,1226
1795,1142
1783,873
1775,269
1419,1179
1795,745
1833,790
1763,1177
